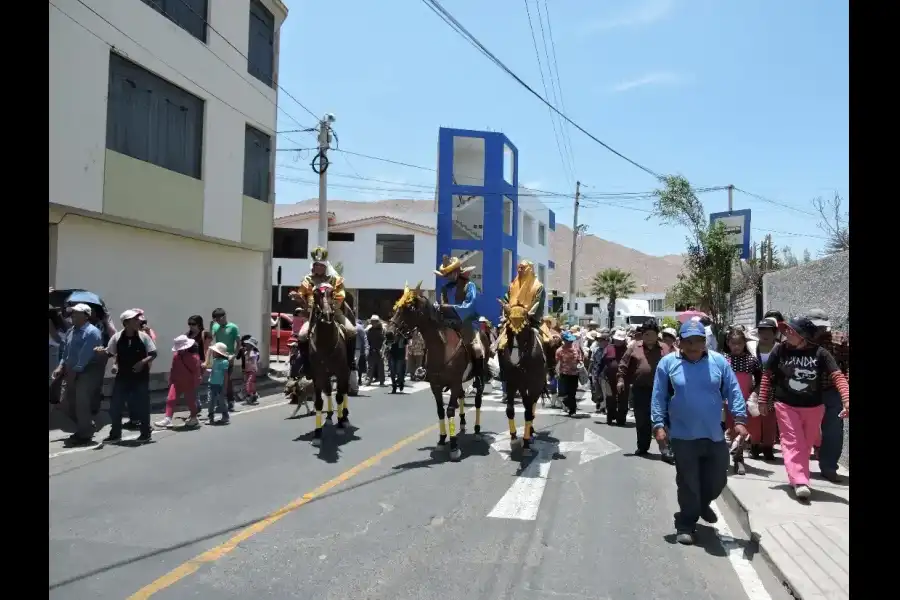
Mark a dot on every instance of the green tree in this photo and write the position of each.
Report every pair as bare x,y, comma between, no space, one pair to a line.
612,284
670,322
806,257
789,259
705,279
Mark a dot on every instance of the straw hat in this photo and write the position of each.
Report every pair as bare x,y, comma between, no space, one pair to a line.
220,348
183,342
620,335
451,265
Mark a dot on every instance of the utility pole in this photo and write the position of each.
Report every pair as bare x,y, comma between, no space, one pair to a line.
572,270
730,198
320,166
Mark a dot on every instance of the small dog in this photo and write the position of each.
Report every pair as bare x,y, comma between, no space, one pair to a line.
300,391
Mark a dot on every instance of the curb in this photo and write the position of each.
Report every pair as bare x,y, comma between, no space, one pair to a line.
158,398
745,519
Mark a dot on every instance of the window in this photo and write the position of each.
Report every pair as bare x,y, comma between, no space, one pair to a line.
290,243
542,234
341,236
261,47
656,305
542,273
257,163
527,230
150,119
395,248
190,15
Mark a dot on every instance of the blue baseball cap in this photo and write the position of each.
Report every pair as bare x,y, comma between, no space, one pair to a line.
692,329
568,336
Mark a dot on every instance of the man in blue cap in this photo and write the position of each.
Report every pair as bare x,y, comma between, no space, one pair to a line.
688,390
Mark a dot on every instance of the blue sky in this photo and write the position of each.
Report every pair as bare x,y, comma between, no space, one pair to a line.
754,94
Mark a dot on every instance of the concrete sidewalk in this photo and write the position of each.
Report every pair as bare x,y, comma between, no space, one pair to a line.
807,544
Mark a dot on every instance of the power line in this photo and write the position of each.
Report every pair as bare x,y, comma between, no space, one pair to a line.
775,202
148,51
555,67
434,5
553,117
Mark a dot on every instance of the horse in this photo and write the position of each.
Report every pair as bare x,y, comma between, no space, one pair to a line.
524,368
327,359
447,362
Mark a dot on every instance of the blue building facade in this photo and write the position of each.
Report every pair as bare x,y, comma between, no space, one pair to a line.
478,206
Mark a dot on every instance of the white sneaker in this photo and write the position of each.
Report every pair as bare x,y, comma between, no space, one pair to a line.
192,422
802,492
164,422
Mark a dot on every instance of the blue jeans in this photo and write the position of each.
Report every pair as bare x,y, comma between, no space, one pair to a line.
701,472
832,432
398,372
135,393
217,400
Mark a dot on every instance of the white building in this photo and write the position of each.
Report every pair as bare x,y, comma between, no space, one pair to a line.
536,224
589,309
161,139
377,246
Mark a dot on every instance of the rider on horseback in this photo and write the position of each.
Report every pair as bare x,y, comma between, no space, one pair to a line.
457,307
321,272
528,291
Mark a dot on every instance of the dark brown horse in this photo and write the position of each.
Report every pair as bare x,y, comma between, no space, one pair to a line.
448,362
327,359
524,365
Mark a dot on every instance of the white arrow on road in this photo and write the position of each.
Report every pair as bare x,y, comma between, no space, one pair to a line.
523,498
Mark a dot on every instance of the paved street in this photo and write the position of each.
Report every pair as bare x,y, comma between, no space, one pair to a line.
379,514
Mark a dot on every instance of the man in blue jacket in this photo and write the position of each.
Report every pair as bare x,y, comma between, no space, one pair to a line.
688,390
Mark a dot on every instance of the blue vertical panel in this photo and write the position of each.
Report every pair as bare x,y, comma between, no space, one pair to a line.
493,226
552,221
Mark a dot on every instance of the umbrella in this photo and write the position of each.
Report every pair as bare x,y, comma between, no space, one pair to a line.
690,314
82,296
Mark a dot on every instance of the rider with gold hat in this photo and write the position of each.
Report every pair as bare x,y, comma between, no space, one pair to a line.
457,306
321,272
528,291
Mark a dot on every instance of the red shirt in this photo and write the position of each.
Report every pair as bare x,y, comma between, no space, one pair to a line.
185,371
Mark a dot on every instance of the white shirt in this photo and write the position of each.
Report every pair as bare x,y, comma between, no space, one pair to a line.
711,343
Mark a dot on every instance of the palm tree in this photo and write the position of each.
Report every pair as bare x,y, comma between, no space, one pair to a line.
612,284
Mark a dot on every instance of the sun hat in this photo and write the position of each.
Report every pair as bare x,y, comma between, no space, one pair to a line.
669,331
620,335
374,318
692,329
568,336
649,325
451,265
82,308
252,341
484,320
818,317
220,348
182,342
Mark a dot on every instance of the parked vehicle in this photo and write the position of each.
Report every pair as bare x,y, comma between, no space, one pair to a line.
287,322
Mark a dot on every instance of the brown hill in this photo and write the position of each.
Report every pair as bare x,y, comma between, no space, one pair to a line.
595,254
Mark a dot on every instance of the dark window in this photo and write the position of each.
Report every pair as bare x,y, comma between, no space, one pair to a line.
150,119
340,236
394,248
290,243
190,15
261,47
590,308
257,163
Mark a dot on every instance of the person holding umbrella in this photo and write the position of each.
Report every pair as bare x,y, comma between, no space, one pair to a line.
81,369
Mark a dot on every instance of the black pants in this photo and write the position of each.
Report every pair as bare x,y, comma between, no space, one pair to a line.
376,366
569,385
616,404
701,471
398,371
640,396
136,394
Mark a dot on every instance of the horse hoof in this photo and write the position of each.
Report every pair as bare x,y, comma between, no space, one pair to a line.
477,429
316,442
455,454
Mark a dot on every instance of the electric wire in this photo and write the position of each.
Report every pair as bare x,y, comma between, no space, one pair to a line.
775,202
553,69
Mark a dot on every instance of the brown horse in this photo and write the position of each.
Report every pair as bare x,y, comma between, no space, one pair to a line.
328,358
524,366
448,362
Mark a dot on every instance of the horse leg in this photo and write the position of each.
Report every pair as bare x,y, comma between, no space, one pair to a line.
328,389
456,392
462,415
343,411
437,392
511,411
317,434
529,402
479,392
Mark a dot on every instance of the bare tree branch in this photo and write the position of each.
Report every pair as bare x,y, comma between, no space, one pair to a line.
834,223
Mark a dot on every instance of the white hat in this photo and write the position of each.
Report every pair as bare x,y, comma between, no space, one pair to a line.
669,331
374,318
483,320
129,314
252,342
82,308
220,348
593,334
620,335
182,342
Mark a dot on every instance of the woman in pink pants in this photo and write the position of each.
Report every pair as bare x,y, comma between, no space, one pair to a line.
794,373
184,379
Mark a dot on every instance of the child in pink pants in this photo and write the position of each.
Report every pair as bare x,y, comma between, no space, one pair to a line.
251,365
184,379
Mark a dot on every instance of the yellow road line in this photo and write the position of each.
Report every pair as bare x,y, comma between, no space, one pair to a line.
214,554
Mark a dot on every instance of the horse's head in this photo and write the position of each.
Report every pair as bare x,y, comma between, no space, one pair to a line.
516,317
322,303
411,310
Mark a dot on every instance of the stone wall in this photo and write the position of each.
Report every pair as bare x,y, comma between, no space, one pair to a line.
742,309
823,284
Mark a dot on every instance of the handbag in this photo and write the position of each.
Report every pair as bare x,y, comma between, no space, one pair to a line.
583,377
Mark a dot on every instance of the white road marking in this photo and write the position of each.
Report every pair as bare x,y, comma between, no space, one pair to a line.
523,498
156,431
747,575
